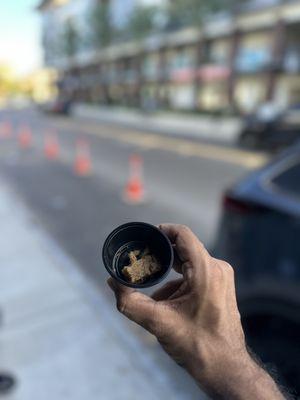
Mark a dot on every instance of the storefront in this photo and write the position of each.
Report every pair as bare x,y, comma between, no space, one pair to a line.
213,91
250,91
287,91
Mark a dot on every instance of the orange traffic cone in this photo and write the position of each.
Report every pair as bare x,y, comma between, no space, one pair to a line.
134,192
5,130
51,146
83,164
25,137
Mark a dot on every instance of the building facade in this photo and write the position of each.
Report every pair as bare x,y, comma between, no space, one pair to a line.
235,61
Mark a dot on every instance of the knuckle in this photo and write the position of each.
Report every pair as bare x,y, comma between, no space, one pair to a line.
201,246
228,268
223,268
184,229
218,272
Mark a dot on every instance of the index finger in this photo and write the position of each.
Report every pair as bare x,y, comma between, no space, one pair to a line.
188,247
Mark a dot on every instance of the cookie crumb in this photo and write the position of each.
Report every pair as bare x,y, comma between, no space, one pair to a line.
141,266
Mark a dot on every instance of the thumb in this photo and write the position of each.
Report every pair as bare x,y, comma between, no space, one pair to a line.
136,306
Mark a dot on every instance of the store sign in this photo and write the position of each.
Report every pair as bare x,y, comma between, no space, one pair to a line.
210,73
183,75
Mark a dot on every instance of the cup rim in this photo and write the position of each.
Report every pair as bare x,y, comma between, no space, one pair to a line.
138,285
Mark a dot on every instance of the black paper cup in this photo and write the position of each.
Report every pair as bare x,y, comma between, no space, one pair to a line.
137,236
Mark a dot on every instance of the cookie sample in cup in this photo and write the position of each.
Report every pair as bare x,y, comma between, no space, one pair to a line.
137,254
142,265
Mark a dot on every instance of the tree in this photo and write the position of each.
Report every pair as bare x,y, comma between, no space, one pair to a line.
102,31
70,39
9,83
142,21
193,12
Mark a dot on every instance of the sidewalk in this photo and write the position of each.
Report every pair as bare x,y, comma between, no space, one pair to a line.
60,337
218,129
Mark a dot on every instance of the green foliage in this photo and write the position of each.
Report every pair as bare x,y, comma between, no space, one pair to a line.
101,24
141,22
70,39
9,83
193,12
145,19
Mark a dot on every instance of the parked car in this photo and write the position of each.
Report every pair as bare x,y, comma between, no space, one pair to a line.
58,106
260,236
271,128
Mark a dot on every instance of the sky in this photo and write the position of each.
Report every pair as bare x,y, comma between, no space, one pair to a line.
20,35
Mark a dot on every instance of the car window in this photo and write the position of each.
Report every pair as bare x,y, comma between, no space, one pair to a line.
289,179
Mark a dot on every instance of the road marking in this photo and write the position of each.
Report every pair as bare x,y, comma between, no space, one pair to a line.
185,147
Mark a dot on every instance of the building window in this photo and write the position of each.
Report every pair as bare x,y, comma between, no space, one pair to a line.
291,61
150,66
181,59
216,52
253,59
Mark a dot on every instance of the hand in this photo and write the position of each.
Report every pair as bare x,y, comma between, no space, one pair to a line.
196,320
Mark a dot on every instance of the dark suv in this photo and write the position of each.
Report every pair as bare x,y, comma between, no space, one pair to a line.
260,236
270,128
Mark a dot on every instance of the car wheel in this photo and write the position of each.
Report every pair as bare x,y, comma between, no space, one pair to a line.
248,140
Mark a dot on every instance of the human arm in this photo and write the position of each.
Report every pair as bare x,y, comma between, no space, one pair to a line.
197,322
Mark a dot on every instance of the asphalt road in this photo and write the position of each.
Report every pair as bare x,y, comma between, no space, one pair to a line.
184,181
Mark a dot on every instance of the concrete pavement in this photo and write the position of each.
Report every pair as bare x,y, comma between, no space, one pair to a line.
60,336
184,180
